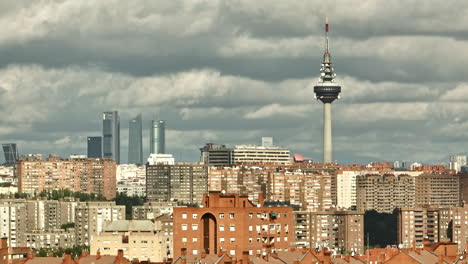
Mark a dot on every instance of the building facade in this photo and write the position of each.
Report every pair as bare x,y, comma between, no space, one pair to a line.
340,231
139,239
261,154
79,175
385,192
216,155
158,137
135,141
94,147
438,190
111,136
90,218
232,224
184,182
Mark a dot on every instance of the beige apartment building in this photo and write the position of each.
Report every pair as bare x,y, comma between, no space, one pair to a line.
310,188
340,231
139,239
79,175
438,190
261,154
50,239
90,218
417,224
384,193
152,210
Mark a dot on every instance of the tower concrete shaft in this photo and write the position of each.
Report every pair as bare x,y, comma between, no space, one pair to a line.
327,134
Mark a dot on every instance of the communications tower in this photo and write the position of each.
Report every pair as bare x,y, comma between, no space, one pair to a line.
327,91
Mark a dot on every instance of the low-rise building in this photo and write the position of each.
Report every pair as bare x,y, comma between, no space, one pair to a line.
139,239
233,224
261,154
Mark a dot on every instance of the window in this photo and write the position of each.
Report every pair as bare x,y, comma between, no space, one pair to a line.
232,252
250,240
221,227
231,215
250,215
250,228
184,216
221,239
194,239
285,215
195,252
194,226
184,239
184,227
221,216
144,242
232,240
194,216
285,239
232,228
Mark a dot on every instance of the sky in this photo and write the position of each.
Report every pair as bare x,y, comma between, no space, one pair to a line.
232,71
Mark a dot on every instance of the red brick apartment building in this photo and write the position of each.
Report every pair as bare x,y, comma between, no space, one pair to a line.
231,223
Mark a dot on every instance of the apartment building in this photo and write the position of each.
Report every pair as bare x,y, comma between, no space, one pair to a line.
13,220
139,239
309,187
152,210
50,239
438,190
183,182
90,218
80,175
385,192
233,224
261,154
216,155
417,224
339,231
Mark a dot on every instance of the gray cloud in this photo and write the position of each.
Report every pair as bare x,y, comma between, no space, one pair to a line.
232,71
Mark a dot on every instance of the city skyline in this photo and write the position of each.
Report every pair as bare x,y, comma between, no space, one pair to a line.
229,74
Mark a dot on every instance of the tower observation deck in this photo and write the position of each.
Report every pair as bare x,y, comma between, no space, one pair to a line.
327,91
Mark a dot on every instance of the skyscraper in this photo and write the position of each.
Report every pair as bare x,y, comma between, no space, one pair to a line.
111,135
158,137
94,147
327,91
135,144
11,153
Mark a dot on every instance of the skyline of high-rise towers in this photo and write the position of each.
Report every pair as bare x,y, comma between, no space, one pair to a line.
135,140
158,137
327,91
111,135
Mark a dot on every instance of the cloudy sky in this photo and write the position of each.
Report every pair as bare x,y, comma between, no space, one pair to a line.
232,71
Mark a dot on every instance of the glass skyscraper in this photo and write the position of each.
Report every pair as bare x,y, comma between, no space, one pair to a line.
135,141
11,153
111,135
158,137
94,147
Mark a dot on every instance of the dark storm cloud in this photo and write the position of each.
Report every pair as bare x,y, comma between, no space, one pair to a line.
233,71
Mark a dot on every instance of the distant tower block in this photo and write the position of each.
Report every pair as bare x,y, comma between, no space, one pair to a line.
327,91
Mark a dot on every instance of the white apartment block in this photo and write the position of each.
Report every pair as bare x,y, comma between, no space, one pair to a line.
261,154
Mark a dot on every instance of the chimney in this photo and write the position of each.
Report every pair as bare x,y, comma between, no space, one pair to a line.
4,242
245,257
265,257
234,260
274,254
221,252
183,259
203,254
98,254
183,251
84,253
261,199
30,256
347,258
295,261
67,259
120,255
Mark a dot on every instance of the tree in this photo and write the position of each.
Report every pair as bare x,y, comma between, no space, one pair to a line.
129,202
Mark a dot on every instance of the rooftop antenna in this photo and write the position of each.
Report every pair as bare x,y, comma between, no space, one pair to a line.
326,35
